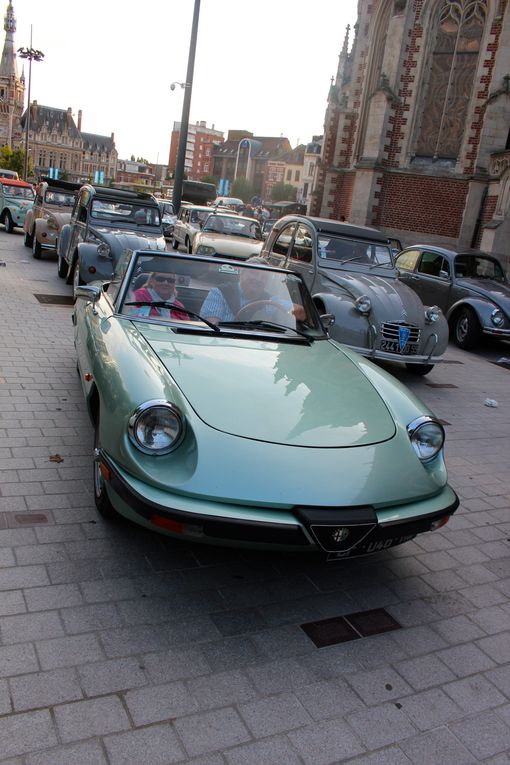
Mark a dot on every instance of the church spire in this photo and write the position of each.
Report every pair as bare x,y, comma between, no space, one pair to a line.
342,58
8,64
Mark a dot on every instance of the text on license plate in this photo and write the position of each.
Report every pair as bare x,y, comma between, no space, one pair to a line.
393,347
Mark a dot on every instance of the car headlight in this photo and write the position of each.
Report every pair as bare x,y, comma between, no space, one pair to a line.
156,427
432,313
204,249
363,304
103,249
427,437
497,317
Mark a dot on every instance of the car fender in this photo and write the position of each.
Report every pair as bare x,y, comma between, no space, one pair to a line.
29,217
88,257
63,242
350,325
482,308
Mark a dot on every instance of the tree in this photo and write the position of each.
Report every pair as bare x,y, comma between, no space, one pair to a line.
208,179
142,161
242,189
15,160
283,192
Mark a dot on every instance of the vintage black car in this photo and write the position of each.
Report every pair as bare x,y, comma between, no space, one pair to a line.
470,288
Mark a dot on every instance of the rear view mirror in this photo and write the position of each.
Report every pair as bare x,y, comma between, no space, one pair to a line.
444,274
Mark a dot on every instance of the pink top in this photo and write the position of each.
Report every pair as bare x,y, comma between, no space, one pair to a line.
144,295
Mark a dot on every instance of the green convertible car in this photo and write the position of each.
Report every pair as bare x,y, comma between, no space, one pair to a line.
224,413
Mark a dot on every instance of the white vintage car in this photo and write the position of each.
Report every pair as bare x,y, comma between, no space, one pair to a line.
229,236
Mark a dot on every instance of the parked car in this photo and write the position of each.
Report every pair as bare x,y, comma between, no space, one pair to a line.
52,207
16,198
267,225
9,174
233,203
188,224
470,288
168,217
351,274
103,224
229,236
258,431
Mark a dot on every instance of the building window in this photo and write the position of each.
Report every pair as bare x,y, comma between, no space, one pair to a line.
289,175
296,175
452,67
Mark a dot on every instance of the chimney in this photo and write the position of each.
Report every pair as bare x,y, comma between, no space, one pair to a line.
113,137
69,116
79,119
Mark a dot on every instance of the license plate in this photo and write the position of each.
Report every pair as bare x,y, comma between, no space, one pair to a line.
368,548
393,346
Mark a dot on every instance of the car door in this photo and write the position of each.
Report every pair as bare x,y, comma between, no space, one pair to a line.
434,279
278,249
180,225
300,254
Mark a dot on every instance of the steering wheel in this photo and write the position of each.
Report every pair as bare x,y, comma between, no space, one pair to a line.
256,304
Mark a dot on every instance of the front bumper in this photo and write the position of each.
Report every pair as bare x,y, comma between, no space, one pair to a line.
494,332
400,358
339,531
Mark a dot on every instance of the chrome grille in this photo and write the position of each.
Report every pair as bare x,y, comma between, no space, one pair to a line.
389,330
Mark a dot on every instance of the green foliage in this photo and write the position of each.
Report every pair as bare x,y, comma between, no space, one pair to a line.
283,192
242,189
208,179
14,159
142,161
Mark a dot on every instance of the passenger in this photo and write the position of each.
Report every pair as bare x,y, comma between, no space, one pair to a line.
224,303
159,287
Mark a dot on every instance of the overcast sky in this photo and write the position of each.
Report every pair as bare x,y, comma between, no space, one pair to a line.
263,66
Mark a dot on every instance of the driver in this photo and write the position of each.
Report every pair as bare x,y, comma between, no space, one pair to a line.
224,303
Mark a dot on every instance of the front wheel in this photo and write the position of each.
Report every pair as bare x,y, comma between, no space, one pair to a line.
36,248
175,243
28,239
420,369
61,267
8,222
103,504
466,329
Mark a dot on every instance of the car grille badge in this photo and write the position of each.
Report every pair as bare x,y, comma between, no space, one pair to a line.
403,337
340,534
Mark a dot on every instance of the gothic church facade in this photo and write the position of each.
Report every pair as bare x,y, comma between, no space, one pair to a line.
417,124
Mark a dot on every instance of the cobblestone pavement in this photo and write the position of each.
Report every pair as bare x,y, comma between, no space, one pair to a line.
118,646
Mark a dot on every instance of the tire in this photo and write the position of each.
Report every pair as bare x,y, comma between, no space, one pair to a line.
103,504
36,248
61,267
420,369
175,244
76,277
189,247
8,222
28,239
466,329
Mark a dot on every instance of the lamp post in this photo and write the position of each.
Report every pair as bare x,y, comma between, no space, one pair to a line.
32,55
187,86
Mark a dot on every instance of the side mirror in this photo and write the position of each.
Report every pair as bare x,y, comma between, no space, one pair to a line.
444,274
91,294
327,320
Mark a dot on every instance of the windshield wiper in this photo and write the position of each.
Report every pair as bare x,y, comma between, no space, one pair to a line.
264,324
382,265
175,307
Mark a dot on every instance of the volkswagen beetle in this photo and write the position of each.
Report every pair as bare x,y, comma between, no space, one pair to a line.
224,413
351,274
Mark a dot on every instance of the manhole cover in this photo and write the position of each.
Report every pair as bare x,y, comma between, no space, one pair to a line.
55,299
372,622
340,629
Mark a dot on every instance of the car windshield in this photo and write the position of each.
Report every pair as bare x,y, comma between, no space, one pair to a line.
233,225
166,208
135,213
478,267
18,192
345,250
219,296
59,198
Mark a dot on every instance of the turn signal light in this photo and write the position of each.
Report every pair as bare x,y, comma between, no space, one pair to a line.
105,471
441,522
167,523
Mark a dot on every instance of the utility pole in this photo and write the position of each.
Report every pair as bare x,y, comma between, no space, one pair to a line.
32,55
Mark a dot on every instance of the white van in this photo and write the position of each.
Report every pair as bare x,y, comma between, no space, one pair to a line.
12,174
231,202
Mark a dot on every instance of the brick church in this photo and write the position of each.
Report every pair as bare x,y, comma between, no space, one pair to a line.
416,134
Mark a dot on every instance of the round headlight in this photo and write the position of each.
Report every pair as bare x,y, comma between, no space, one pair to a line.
156,427
204,249
432,313
363,304
103,249
427,437
497,317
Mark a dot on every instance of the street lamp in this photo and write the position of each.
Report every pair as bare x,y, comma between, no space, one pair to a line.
187,86
32,55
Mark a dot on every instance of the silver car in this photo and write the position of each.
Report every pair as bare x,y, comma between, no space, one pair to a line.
351,274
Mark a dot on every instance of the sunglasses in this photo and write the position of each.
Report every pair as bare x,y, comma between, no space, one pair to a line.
169,279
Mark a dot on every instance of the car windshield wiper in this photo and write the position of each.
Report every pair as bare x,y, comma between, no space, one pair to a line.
382,265
175,307
349,260
264,324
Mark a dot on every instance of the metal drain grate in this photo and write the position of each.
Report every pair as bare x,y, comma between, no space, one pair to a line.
440,385
54,299
341,629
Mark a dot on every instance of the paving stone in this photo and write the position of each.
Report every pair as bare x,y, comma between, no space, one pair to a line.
69,651
26,732
91,617
474,694
175,664
111,676
465,659
378,685
276,714
388,756
328,699
325,743
54,596
125,641
17,660
264,752
436,746
424,672
157,745
89,752
458,629
484,735
430,709
11,602
381,726
211,731
43,689
497,647
230,653
91,717
221,689
22,576
34,626
161,702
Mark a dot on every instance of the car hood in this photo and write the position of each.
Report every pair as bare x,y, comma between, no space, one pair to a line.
286,393
487,288
61,217
132,240
240,246
392,299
